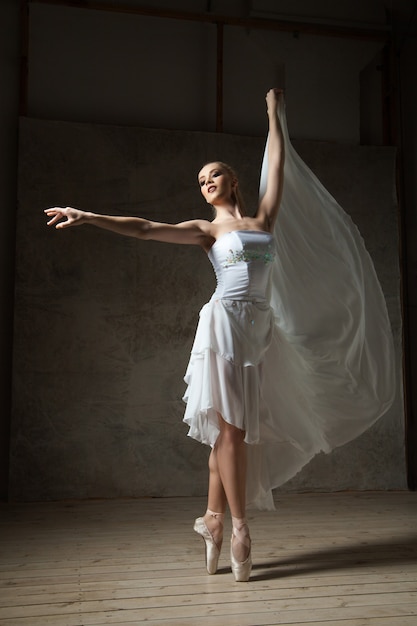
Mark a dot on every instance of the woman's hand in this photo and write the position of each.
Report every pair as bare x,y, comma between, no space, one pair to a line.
63,217
273,98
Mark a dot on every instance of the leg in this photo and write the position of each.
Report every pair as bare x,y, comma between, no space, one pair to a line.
210,527
216,494
230,451
227,467
227,481
216,503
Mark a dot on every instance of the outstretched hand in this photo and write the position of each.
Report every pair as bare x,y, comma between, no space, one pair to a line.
62,217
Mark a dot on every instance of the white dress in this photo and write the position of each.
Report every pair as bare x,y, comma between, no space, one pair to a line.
295,345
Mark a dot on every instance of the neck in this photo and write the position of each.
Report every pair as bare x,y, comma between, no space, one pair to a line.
228,212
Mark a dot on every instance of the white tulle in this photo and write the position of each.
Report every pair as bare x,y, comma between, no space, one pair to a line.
329,303
327,367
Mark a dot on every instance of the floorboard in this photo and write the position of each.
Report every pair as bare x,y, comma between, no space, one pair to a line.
344,559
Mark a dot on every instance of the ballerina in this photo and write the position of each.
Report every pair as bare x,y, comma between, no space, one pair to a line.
293,354
241,249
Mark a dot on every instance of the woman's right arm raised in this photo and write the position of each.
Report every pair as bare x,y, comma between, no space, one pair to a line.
195,232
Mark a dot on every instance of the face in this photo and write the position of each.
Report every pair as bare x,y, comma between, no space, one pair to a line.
216,184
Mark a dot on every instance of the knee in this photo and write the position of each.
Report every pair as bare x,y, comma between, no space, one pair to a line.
232,436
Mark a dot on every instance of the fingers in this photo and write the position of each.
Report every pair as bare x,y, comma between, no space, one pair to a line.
53,220
63,224
54,209
275,91
56,214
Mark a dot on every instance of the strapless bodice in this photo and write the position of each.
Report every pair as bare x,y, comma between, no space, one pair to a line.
242,261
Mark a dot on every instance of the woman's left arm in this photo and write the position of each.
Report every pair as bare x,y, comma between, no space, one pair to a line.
269,205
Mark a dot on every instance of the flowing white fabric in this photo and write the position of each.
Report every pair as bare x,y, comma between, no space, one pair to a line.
319,368
331,314
328,300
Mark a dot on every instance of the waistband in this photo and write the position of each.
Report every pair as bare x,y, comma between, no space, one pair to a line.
216,298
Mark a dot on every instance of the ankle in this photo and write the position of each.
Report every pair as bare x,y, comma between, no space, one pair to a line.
214,522
241,530
217,516
239,523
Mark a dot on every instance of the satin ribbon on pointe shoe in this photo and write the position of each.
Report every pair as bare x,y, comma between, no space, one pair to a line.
241,569
212,552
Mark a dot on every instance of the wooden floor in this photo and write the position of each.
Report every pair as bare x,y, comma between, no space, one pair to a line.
337,559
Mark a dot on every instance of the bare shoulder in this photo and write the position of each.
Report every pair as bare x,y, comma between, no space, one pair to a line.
201,228
208,231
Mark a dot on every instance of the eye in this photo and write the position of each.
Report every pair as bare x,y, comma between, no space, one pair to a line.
216,173
201,182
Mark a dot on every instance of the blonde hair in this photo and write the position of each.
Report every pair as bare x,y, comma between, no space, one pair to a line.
236,194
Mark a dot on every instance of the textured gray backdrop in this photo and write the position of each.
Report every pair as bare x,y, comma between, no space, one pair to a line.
104,324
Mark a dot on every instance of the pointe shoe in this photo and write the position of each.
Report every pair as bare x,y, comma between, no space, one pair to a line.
212,549
241,569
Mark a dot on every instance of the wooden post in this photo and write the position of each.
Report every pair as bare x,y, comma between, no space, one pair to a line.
219,89
24,54
389,88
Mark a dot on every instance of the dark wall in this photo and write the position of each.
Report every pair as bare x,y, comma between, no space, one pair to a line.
161,73
104,324
9,111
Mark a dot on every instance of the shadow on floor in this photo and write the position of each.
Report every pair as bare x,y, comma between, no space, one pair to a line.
394,551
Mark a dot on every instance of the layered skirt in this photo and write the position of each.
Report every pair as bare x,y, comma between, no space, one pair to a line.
244,369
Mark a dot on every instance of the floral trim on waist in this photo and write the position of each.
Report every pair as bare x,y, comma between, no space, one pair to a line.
251,254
